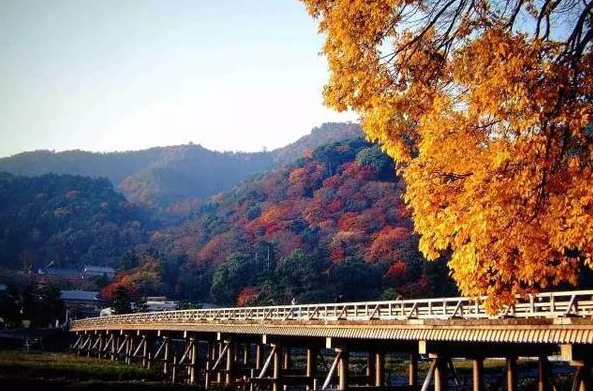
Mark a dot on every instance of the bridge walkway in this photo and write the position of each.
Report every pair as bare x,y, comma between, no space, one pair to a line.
253,346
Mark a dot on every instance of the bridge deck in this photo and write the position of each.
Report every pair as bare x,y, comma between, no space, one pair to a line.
552,317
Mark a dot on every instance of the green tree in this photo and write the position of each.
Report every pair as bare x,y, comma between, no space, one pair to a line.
10,309
355,279
101,281
269,293
300,275
194,282
140,304
49,306
231,276
129,260
42,306
380,162
439,279
121,302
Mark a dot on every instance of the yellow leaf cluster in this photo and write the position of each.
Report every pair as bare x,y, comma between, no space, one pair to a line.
491,133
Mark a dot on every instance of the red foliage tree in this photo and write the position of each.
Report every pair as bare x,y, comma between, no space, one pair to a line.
247,296
219,247
391,243
143,280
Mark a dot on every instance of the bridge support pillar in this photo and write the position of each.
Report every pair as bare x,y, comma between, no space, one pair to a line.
132,349
87,350
74,346
277,369
379,368
511,373
104,345
582,377
166,355
218,353
370,368
114,347
193,360
246,353
478,374
207,375
343,365
110,353
286,358
128,348
440,374
413,370
174,370
259,356
311,366
80,346
543,374
89,344
586,378
87,341
99,344
230,354
145,350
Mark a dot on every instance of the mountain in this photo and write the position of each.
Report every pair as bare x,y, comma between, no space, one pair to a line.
331,223
67,220
191,171
325,134
163,176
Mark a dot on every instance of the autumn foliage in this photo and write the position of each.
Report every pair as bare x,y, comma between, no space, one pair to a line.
486,107
143,280
246,296
339,208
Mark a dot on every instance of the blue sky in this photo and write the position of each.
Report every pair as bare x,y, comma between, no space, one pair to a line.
106,75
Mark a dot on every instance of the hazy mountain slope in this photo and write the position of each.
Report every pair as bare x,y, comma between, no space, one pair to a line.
71,220
113,165
164,175
189,171
325,134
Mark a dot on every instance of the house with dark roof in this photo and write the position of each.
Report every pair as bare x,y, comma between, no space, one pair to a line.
97,271
63,272
82,304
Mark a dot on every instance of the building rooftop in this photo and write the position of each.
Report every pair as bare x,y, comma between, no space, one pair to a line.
80,295
98,269
59,271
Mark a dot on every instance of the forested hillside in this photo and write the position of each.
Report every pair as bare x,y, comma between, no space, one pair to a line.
163,176
332,224
71,220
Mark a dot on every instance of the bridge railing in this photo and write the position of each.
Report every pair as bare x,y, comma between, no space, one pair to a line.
543,305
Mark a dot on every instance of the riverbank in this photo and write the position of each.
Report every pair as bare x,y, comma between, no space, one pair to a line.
47,371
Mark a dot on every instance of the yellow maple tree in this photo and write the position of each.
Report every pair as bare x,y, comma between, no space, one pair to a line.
486,106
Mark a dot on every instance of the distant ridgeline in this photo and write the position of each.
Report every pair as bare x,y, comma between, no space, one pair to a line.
165,175
323,219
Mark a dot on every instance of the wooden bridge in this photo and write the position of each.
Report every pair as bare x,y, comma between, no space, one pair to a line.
279,347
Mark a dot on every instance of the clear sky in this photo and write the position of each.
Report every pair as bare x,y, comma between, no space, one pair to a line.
106,75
